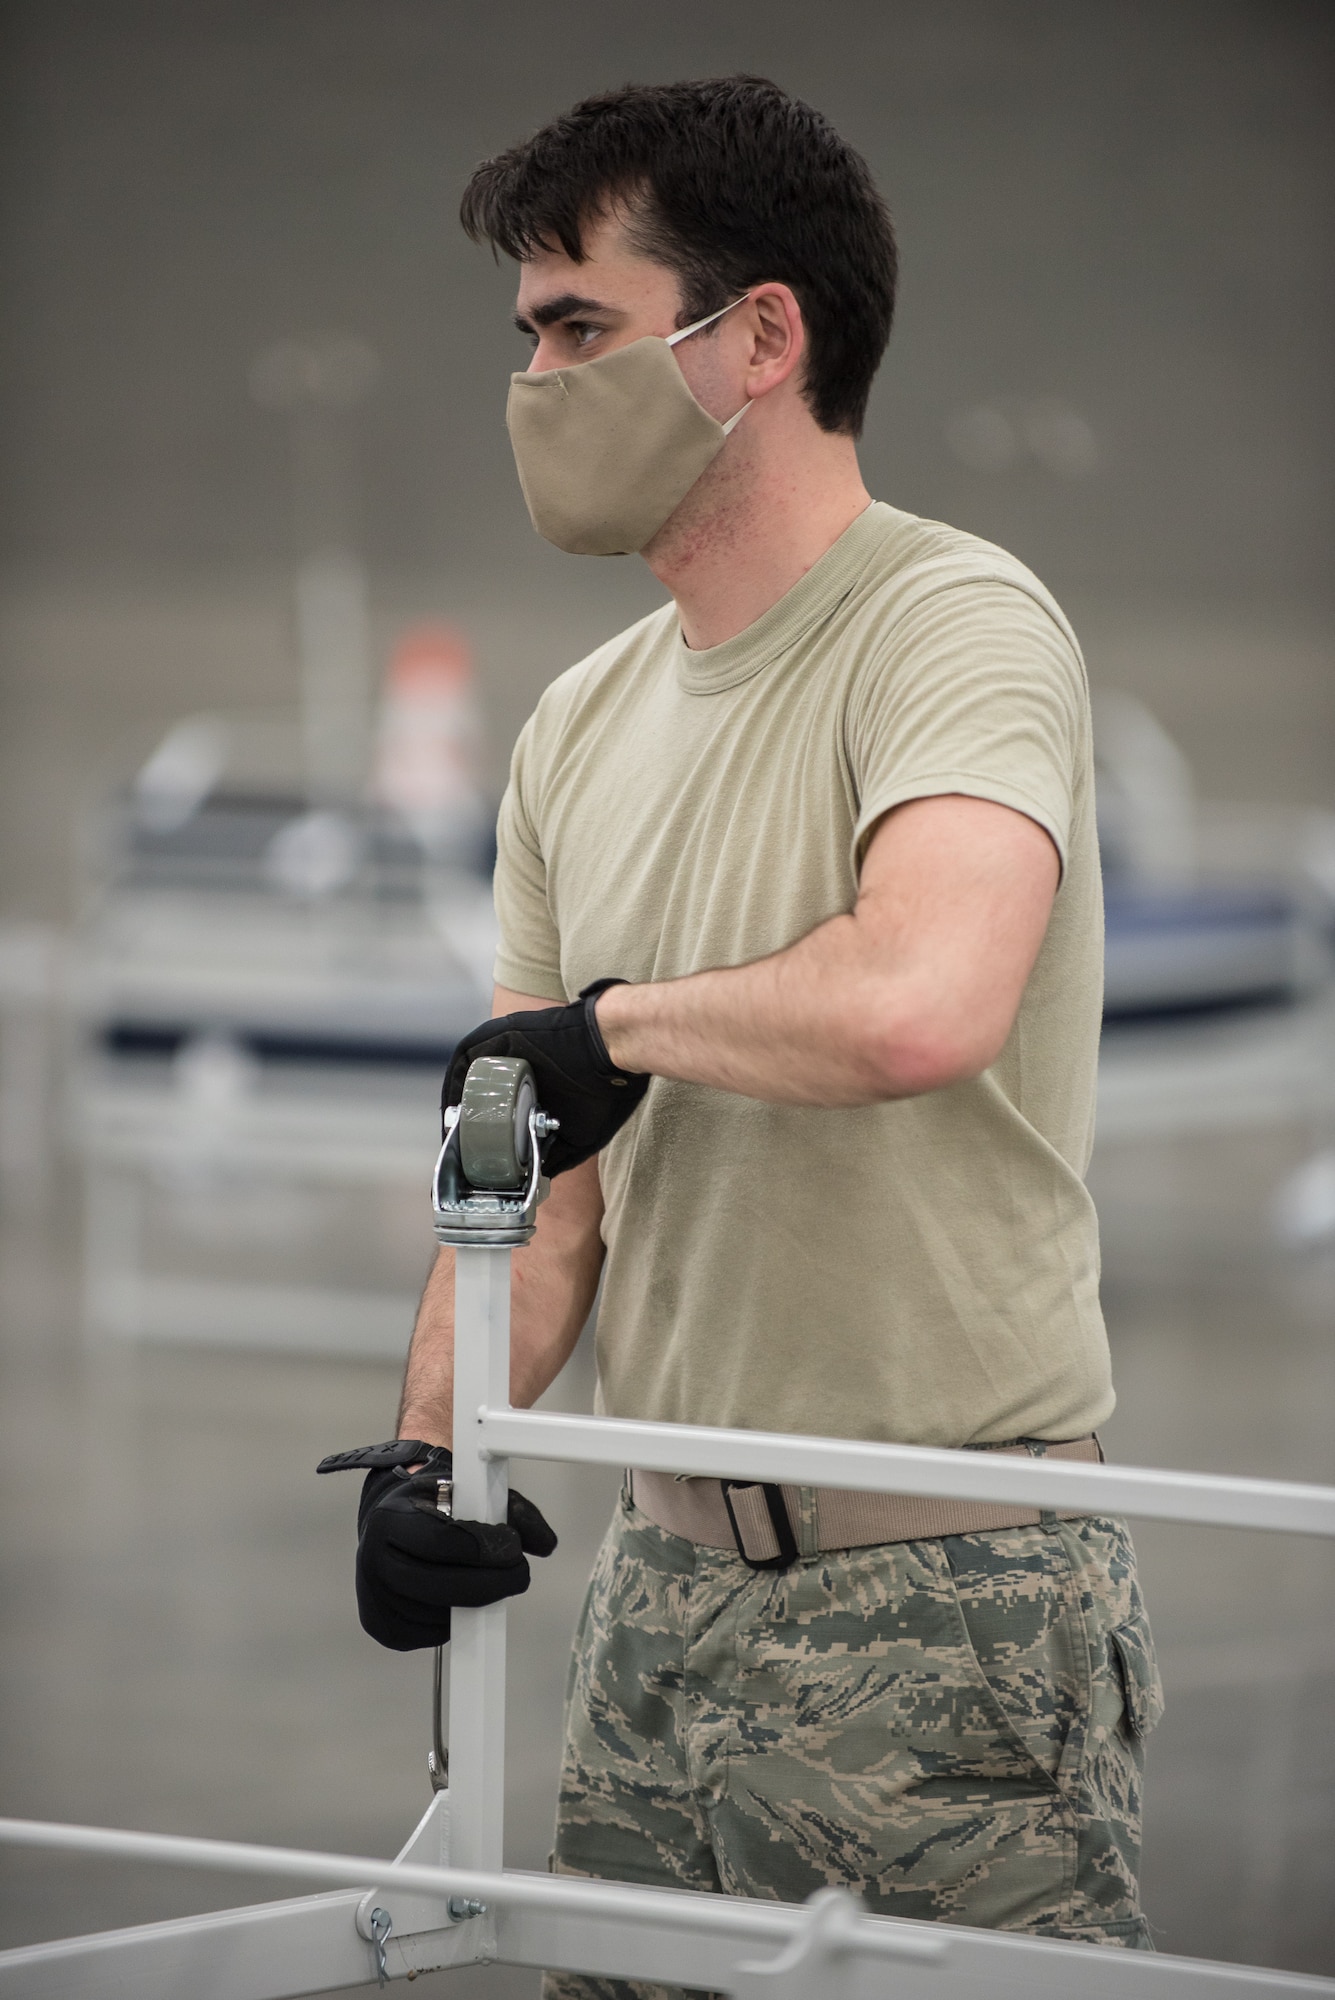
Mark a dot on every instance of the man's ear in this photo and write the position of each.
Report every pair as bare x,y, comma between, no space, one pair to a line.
778,338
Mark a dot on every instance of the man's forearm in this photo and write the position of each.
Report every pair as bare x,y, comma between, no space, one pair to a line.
914,990
426,1407
555,1281
796,1028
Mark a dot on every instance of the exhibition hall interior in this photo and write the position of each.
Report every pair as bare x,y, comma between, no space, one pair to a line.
272,613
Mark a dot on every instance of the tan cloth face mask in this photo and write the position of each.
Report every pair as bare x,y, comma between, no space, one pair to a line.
608,449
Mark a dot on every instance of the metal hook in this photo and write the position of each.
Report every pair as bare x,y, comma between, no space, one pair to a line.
438,1757
806,1963
381,1926
809,1962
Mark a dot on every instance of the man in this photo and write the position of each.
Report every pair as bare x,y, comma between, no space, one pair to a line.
814,845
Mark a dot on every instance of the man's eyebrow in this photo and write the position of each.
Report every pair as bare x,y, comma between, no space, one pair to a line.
561,307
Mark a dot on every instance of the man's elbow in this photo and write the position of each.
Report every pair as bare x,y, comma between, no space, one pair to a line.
914,1057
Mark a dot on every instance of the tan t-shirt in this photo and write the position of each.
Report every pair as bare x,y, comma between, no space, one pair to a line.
924,1271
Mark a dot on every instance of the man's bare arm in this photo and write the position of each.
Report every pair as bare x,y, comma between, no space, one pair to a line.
915,989
555,1281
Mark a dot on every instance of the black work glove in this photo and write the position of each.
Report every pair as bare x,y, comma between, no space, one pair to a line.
413,1562
576,1079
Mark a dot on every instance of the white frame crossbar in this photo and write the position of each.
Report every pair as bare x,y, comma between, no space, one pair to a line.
448,1900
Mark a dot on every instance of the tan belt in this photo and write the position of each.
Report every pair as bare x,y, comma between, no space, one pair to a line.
770,1526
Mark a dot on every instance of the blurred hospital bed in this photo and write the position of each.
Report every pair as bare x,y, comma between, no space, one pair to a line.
263,995
1219,1009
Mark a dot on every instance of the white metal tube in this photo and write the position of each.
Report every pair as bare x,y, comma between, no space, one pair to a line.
481,1489
1207,1498
677,1908
481,1376
268,1951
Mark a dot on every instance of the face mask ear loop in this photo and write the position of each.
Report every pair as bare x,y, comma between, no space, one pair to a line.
685,332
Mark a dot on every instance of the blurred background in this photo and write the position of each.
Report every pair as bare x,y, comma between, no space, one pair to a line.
271,613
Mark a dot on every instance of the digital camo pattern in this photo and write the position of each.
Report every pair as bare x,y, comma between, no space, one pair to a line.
952,1728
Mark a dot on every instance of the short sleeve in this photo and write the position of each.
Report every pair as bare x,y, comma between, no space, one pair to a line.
979,691
528,957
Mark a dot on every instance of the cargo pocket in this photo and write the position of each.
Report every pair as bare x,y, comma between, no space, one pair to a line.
1131,1934
1138,1670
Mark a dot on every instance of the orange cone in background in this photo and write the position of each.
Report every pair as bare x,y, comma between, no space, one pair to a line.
429,744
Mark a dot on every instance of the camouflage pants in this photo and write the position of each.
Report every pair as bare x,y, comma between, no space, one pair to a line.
953,1728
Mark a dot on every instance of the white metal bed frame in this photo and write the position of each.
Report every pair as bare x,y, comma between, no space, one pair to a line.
447,1899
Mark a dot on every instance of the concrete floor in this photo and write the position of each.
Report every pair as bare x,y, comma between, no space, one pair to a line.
180,1650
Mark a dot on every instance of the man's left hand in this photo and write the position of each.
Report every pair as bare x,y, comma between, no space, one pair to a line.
576,1079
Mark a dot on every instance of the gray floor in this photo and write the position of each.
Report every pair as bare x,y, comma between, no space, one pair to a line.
180,1649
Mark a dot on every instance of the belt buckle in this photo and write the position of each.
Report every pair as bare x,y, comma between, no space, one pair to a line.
782,1526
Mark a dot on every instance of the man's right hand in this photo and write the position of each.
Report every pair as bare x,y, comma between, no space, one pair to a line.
414,1563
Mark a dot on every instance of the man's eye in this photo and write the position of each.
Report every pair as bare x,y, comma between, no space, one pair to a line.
583,331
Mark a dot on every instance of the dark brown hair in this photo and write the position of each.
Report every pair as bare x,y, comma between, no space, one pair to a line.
729,182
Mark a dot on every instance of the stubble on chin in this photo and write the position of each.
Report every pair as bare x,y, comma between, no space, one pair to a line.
707,525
